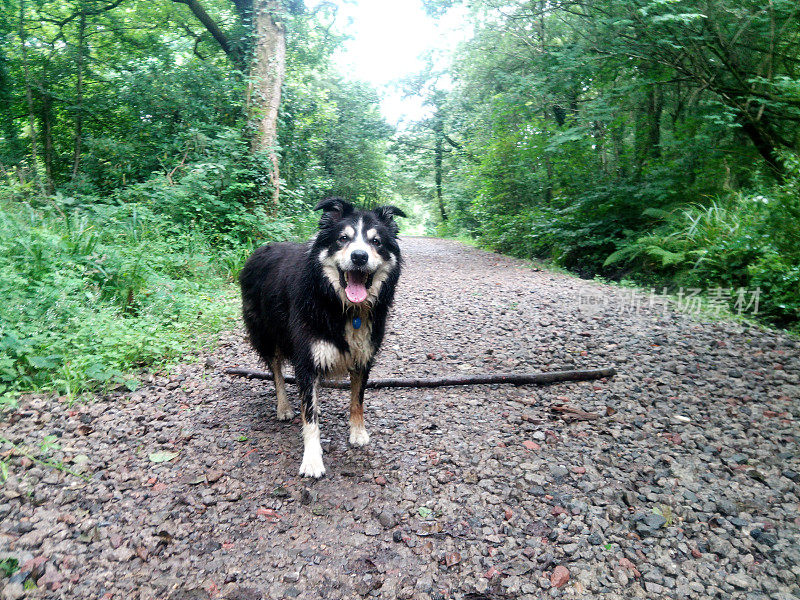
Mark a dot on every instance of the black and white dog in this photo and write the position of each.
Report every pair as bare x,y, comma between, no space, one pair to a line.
322,305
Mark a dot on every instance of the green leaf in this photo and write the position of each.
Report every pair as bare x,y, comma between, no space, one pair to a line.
42,362
424,512
8,566
625,253
163,456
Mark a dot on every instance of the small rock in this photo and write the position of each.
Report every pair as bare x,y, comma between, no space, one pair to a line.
35,567
741,580
727,508
720,546
387,519
214,476
13,591
291,577
241,593
650,523
51,580
653,588
122,554
372,529
559,577
558,471
792,475
763,538
738,458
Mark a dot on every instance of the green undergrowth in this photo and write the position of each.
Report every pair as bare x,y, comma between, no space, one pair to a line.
94,292
727,250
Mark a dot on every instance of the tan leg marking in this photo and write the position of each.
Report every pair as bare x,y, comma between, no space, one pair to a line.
285,412
358,432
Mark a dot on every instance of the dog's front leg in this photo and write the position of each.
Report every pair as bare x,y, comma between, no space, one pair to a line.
358,382
309,411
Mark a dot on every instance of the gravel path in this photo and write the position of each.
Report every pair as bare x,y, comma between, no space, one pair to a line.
685,487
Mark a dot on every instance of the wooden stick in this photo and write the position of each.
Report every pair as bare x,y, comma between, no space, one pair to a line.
414,382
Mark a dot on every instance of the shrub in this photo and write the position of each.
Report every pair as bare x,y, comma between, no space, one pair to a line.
740,241
91,292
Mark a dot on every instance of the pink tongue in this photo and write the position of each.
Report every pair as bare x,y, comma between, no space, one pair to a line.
355,291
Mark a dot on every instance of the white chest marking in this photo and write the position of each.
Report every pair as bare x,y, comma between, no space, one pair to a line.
328,358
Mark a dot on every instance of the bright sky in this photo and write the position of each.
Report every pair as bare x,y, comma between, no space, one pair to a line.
389,39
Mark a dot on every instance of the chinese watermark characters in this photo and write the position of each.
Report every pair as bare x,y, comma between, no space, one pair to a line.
715,301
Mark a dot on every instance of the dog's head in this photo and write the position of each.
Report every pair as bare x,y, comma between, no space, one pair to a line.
357,249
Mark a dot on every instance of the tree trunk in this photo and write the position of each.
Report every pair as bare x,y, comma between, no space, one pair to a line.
438,158
266,78
618,141
29,97
76,155
766,146
547,189
437,174
648,128
47,135
655,108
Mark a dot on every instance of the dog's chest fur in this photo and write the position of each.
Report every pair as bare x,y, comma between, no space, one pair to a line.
330,359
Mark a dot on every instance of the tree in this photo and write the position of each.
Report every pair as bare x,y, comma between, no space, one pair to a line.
265,42
266,78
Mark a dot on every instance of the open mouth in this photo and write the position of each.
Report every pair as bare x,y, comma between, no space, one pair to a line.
355,284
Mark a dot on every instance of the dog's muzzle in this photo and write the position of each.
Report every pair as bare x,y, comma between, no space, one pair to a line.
355,284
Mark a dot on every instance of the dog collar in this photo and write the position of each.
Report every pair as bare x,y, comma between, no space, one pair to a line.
356,322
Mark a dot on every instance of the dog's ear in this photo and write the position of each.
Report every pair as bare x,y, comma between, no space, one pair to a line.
387,213
334,209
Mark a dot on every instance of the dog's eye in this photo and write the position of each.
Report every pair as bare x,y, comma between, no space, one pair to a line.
344,238
376,242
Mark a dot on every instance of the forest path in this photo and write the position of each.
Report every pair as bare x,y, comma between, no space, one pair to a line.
687,486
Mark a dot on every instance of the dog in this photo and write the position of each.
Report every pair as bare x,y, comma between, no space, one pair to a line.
322,306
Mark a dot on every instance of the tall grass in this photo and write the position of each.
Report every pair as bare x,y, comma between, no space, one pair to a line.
92,292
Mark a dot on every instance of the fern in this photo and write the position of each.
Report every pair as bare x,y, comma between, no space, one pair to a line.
625,253
667,258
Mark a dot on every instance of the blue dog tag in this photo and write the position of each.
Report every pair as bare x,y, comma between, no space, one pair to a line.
356,322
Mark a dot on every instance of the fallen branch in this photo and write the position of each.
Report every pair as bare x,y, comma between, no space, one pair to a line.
415,382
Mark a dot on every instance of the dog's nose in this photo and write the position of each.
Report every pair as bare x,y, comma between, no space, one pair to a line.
359,258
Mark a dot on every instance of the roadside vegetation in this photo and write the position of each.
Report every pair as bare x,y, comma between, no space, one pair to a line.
144,154
130,189
649,142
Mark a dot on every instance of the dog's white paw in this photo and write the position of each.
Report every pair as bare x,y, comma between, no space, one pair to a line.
312,466
359,436
285,413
